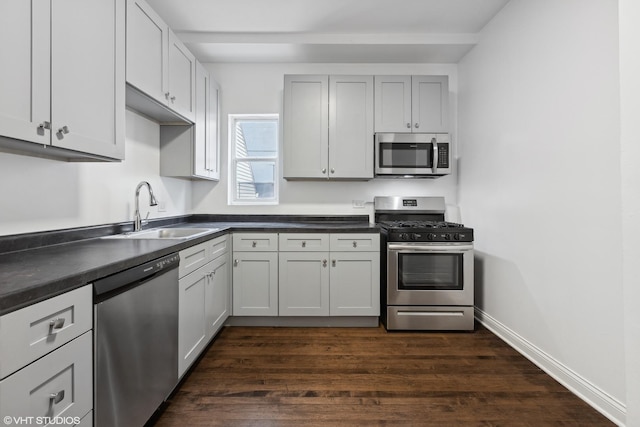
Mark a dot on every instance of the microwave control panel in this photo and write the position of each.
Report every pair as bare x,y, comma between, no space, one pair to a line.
443,155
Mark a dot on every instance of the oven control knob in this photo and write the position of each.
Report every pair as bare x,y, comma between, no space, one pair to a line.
456,236
414,236
404,236
447,236
431,236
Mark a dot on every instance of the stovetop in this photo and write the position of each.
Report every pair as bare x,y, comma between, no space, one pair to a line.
425,231
390,224
418,219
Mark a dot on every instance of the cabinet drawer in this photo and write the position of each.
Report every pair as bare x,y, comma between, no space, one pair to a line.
258,242
30,333
193,258
360,242
217,247
304,242
58,385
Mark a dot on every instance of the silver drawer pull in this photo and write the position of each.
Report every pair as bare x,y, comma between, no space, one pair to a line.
235,263
333,262
55,325
324,262
254,244
304,244
355,244
55,398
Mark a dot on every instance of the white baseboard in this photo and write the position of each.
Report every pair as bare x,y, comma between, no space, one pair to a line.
608,406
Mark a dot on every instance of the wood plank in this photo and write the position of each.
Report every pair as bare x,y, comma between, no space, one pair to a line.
365,377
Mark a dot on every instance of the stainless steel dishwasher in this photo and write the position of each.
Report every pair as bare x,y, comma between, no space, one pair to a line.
136,342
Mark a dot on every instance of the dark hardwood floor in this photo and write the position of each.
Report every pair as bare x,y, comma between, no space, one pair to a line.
367,377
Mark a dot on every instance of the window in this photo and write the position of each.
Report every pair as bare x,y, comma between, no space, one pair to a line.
253,159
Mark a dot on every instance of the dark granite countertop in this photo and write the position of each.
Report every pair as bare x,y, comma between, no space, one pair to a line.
37,266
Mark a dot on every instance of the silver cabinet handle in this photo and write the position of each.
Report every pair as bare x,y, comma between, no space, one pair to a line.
236,262
408,125
44,125
333,170
63,130
55,398
333,262
324,170
324,262
166,95
55,325
254,244
434,165
355,244
417,125
173,99
304,244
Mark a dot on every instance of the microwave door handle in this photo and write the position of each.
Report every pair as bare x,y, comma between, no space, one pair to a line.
434,165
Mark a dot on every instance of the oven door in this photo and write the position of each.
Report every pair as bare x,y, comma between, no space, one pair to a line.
430,274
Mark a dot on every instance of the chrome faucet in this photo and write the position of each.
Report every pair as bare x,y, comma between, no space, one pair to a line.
137,220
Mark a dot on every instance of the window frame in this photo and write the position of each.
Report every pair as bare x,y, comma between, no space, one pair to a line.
233,160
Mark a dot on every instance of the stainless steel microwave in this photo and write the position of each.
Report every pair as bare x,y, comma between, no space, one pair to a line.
412,154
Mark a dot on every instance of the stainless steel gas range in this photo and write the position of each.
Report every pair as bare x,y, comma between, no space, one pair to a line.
427,279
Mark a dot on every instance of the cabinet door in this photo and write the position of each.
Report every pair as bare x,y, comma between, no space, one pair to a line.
87,76
147,51
351,127
202,123
430,103
217,295
212,148
24,74
306,126
192,323
393,104
303,284
255,283
355,284
182,75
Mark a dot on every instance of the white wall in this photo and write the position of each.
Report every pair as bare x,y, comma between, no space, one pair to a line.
630,153
53,194
540,183
257,88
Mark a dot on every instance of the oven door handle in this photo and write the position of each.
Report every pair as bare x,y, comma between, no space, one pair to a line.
430,247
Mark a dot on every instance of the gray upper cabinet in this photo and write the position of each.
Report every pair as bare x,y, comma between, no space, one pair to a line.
193,151
62,78
160,69
351,127
306,126
328,127
412,104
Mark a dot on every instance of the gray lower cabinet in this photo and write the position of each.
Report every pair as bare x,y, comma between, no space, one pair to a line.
255,274
306,274
46,360
329,274
203,301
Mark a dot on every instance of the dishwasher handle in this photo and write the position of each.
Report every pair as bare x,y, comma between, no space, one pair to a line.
135,274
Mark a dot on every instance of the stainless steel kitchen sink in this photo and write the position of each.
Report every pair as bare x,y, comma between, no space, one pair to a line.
175,233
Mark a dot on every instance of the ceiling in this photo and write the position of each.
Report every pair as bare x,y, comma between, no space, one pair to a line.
341,31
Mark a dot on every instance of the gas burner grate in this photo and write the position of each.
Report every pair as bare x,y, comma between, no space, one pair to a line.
420,224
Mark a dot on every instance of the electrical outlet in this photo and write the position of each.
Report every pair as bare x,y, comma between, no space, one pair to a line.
358,204
162,206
